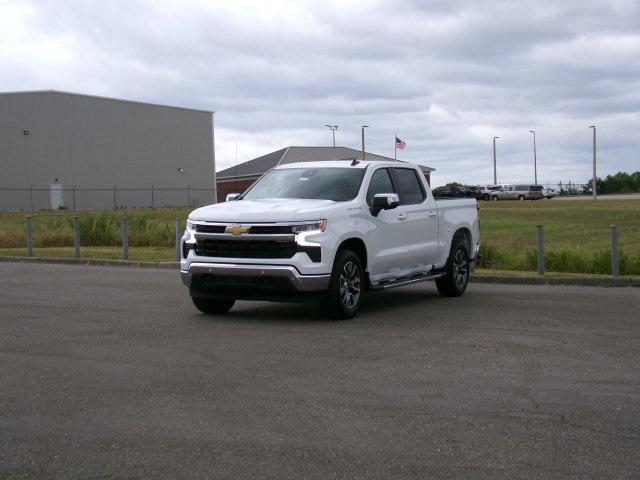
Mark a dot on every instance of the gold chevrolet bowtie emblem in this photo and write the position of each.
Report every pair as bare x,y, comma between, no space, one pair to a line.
236,229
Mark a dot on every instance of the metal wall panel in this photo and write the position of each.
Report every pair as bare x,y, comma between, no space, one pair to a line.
86,141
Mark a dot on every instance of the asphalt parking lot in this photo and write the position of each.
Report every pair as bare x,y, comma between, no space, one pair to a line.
111,373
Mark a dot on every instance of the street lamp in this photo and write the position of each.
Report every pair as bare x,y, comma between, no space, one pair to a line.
535,160
363,127
333,129
593,179
495,174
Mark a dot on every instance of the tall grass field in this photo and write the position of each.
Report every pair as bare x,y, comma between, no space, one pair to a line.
577,234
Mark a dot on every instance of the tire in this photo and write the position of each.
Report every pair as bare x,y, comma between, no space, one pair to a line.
549,197
486,197
213,307
455,282
521,198
344,296
494,198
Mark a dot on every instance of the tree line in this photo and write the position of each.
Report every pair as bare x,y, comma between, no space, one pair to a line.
621,182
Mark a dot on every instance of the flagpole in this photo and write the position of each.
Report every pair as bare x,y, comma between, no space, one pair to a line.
395,148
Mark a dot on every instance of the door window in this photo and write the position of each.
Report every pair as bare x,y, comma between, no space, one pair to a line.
409,187
380,183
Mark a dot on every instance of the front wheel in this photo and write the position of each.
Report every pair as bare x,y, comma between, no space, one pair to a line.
213,307
455,281
486,197
344,296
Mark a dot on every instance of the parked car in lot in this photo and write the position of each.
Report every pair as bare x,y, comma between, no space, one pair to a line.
450,191
550,192
485,191
328,232
519,192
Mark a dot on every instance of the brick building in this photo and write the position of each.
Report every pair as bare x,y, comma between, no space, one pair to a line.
238,179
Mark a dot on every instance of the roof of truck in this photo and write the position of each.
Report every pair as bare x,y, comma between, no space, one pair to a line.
345,164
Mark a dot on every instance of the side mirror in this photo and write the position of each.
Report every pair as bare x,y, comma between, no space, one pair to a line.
232,196
384,201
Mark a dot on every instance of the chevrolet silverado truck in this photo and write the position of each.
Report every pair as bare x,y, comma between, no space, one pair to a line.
328,232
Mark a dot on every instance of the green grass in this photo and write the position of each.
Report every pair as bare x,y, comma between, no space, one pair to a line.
577,234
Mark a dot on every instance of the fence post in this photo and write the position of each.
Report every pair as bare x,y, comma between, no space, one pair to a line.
29,237
125,238
31,197
115,205
74,198
152,199
76,236
615,253
188,195
178,237
540,238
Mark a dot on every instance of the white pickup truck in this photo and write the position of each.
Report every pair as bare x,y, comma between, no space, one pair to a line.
327,232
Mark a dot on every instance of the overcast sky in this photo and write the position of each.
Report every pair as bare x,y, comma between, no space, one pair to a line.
445,75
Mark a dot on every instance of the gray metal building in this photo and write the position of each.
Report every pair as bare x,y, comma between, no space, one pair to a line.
60,150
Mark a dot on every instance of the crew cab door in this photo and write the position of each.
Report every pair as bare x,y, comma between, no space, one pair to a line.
419,215
387,243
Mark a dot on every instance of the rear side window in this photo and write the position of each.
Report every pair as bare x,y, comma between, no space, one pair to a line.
380,183
409,187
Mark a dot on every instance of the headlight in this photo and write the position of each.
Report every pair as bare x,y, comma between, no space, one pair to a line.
191,227
320,225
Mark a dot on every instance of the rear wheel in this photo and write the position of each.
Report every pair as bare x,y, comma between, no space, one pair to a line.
344,296
454,283
213,307
486,197
521,198
494,198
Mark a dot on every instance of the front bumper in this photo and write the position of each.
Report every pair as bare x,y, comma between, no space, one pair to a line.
300,283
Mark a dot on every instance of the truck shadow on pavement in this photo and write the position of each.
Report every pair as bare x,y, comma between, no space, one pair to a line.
395,304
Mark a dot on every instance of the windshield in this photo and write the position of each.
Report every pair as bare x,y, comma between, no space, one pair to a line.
337,184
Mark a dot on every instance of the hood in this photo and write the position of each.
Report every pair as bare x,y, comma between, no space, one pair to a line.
264,211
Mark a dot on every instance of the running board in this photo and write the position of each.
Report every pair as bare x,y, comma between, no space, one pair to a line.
401,282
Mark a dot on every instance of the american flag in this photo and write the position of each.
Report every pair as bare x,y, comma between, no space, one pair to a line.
400,144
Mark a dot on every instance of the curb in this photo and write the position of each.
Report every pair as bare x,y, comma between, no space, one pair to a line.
90,261
543,280
504,279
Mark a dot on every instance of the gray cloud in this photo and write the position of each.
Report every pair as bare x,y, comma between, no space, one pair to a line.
445,75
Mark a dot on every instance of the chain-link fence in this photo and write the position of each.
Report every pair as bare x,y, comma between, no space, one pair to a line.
57,197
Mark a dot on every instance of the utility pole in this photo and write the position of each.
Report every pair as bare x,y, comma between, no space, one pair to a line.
593,179
495,173
535,160
333,129
363,127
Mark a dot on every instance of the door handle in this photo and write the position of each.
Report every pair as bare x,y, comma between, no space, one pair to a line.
432,214
402,216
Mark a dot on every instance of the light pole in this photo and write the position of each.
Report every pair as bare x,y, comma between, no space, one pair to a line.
333,129
535,160
495,174
593,180
363,127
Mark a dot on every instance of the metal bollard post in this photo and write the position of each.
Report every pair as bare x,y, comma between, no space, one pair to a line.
615,253
76,236
74,197
115,204
178,238
540,237
125,238
153,203
29,237
31,197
